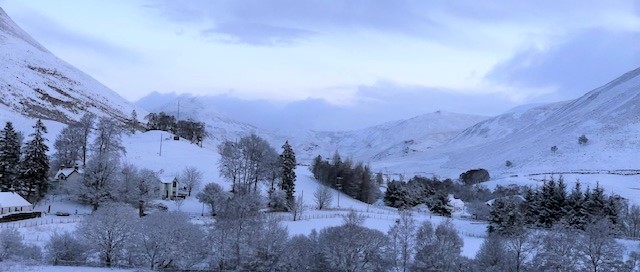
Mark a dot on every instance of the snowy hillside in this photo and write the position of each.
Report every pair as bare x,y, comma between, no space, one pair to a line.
391,139
36,83
607,116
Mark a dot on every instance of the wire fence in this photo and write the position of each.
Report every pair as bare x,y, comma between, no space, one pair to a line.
39,222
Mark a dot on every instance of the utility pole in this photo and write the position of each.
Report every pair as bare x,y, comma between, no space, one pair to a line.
160,154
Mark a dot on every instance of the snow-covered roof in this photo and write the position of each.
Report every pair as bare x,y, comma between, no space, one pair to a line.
11,199
167,179
66,171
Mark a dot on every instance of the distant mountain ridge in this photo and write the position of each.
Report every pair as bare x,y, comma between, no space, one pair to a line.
37,84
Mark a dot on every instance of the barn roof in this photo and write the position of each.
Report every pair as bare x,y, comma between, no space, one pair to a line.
11,199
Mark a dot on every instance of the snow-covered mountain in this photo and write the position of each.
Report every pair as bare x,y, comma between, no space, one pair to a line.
37,84
397,138
608,116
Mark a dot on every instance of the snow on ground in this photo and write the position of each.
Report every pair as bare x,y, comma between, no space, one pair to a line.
14,267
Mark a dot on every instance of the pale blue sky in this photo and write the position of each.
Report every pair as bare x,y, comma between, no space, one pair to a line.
418,55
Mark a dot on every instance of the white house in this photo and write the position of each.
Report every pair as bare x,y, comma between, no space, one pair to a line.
12,203
457,205
68,174
170,188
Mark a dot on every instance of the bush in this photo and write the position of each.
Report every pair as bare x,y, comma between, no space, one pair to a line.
554,149
583,140
65,249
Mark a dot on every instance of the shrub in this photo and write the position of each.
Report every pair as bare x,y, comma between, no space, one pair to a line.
583,140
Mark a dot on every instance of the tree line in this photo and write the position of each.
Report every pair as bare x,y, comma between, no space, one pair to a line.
244,239
353,179
24,169
552,204
189,129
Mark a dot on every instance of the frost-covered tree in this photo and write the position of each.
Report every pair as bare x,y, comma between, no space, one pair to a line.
288,159
11,244
212,194
237,220
557,250
85,125
34,166
296,207
492,255
68,147
323,196
99,181
107,140
302,254
65,249
138,187
9,158
269,250
632,221
443,253
351,247
108,231
520,246
192,178
230,164
133,124
600,249
168,240
402,238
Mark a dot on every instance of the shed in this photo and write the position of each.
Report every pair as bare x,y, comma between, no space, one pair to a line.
11,202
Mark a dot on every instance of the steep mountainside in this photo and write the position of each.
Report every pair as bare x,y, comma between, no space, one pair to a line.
37,84
608,116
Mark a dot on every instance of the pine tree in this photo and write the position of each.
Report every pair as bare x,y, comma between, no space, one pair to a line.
34,166
9,157
576,215
133,123
440,205
288,158
532,206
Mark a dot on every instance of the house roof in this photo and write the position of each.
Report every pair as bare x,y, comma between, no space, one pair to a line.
66,171
11,199
168,179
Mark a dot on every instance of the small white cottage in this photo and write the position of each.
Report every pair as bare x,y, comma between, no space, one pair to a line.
11,202
68,174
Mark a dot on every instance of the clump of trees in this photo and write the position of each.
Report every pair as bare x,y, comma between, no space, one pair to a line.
477,175
251,160
354,179
552,204
189,129
24,169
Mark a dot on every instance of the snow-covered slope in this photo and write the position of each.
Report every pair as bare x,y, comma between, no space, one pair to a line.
392,139
37,84
609,117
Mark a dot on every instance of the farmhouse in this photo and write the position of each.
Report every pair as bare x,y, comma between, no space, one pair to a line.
170,188
13,203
